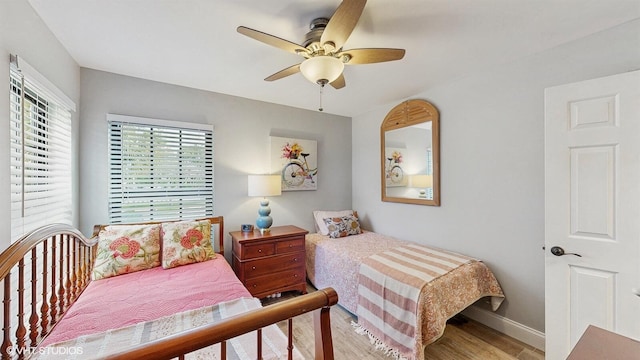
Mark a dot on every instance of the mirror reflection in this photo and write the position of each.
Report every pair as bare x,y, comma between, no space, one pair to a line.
409,138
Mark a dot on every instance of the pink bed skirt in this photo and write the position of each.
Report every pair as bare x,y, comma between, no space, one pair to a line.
146,295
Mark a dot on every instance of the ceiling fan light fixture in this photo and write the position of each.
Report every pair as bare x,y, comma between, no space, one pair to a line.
322,69
323,47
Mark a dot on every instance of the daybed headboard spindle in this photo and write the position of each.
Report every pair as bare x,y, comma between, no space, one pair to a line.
63,279
6,312
44,309
21,331
290,338
259,342
53,299
42,276
33,319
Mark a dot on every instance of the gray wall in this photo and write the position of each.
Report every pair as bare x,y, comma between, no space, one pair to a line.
492,164
241,146
23,33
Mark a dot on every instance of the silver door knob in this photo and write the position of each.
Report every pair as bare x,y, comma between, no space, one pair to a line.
558,251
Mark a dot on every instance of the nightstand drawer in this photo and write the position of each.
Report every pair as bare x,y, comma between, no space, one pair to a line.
258,250
270,262
286,246
270,265
272,283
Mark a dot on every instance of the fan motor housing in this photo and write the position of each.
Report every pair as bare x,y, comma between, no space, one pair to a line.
316,27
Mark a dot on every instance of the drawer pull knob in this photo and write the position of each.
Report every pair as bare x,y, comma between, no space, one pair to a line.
253,268
254,285
296,275
259,250
290,245
295,259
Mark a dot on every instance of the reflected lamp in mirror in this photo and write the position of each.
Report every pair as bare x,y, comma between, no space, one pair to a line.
421,182
264,185
410,144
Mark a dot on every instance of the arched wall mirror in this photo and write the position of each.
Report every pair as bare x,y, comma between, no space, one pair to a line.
410,154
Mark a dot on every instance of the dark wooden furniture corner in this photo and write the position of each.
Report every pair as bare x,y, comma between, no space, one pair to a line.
272,262
599,344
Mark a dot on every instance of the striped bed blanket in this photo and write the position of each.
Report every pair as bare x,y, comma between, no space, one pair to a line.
407,294
243,347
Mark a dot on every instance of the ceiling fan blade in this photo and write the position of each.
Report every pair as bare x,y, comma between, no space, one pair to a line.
272,40
284,73
343,22
368,56
338,83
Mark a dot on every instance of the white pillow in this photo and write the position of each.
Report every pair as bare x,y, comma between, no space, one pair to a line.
320,215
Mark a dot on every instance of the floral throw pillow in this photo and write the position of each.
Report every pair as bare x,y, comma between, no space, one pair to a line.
320,215
123,249
186,242
342,226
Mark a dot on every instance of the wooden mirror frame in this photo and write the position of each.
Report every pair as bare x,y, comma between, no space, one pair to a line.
408,113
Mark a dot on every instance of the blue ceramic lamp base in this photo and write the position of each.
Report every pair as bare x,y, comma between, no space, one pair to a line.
264,221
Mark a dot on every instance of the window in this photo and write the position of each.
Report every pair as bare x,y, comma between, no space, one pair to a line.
429,191
159,169
40,131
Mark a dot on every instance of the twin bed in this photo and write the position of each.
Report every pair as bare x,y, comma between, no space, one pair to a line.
402,293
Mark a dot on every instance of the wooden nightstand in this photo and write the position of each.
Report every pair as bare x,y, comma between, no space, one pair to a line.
270,263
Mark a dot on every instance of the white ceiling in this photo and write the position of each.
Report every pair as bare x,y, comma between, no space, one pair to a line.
194,43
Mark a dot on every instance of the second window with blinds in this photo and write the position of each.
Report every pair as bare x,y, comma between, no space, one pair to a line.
159,169
41,169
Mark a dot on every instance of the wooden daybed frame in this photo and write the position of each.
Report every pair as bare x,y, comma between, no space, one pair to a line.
45,271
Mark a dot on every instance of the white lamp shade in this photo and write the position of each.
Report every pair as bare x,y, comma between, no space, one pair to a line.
321,67
421,181
265,185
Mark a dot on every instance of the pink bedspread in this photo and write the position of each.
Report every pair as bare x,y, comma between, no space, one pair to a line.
107,303
336,262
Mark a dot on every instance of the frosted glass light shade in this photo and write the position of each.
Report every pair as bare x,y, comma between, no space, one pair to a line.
323,67
264,185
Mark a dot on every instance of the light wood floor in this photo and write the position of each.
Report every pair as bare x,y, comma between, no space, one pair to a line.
469,340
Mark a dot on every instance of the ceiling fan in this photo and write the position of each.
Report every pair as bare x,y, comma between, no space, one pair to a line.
322,47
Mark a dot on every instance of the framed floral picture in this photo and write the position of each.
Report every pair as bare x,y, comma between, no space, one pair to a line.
296,161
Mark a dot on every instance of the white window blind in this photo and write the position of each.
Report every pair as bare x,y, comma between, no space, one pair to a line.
159,170
40,136
429,191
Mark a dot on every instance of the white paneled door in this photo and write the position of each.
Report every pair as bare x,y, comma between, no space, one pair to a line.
592,209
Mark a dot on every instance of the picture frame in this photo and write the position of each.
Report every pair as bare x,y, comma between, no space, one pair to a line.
296,160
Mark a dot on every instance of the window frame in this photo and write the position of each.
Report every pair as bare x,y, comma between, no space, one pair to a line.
130,200
41,159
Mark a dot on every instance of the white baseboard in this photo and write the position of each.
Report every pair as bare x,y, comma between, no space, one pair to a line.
506,326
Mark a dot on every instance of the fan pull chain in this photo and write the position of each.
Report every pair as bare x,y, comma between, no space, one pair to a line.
321,90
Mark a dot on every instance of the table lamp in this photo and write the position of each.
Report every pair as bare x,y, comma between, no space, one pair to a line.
264,185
